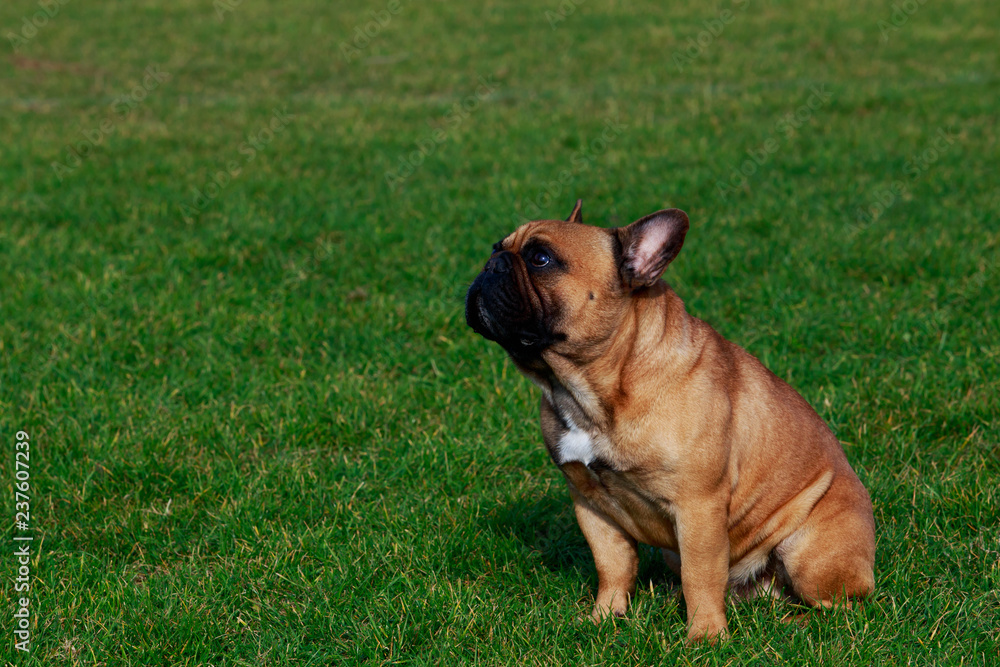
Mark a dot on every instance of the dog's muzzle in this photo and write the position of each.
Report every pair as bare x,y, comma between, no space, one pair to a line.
496,309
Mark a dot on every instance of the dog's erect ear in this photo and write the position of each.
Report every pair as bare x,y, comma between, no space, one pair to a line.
577,214
649,244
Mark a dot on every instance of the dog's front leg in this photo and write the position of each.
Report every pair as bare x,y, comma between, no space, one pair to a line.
615,556
704,551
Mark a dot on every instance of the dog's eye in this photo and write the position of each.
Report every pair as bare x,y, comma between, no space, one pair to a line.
539,258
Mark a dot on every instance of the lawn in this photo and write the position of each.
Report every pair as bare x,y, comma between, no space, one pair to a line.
235,239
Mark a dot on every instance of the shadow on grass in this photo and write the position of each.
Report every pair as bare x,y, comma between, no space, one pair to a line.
545,529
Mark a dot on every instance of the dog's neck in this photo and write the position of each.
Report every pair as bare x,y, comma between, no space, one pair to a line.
595,385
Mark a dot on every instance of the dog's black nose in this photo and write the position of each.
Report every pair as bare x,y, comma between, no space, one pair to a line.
499,263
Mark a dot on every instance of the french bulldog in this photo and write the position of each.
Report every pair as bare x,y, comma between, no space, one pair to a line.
666,432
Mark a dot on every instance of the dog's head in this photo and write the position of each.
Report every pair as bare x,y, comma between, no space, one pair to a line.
566,285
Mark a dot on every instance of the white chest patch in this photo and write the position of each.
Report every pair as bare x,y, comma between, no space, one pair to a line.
575,445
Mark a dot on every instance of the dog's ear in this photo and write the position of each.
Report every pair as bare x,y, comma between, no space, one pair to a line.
649,244
577,214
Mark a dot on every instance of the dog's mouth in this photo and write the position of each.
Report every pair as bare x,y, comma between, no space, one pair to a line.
496,311
477,316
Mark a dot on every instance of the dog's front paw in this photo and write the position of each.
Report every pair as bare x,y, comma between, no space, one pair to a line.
707,630
602,612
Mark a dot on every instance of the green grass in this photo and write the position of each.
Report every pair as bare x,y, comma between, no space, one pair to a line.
261,431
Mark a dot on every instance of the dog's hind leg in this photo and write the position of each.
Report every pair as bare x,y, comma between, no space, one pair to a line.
830,558
673,560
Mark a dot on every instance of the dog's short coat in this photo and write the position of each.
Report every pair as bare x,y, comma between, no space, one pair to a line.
666,432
